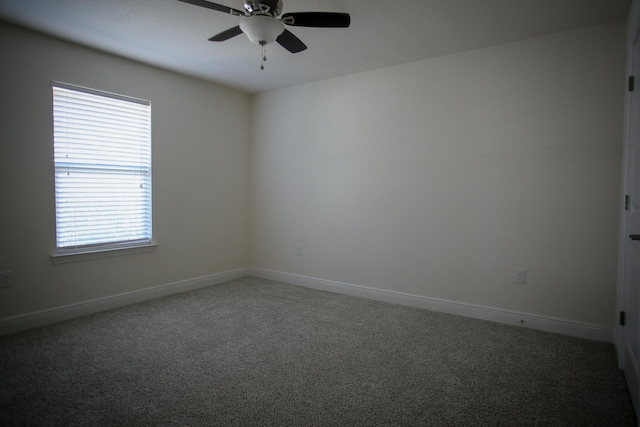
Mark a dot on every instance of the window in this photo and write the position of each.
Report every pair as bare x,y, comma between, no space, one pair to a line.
102,155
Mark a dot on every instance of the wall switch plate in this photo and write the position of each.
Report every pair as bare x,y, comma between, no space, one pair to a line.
298,250
520,276
5,279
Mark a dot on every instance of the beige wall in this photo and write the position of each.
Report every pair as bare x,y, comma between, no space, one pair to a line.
435,178
438,178
200,176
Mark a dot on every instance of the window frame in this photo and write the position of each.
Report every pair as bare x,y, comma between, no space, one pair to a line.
64,254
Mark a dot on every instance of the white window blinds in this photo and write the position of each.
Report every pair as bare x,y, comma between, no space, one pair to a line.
102,154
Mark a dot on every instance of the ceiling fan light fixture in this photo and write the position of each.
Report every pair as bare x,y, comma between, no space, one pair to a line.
261,29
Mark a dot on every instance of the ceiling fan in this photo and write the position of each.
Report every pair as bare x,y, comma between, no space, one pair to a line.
262,23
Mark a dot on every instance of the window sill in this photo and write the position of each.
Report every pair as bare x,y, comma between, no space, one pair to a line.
73,256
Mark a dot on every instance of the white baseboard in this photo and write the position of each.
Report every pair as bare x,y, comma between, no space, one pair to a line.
31,320
543,323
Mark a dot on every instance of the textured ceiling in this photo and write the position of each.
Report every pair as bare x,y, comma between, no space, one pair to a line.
173,35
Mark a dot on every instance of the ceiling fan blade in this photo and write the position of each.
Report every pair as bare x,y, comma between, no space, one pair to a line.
226,35
317,19
214,6
290,42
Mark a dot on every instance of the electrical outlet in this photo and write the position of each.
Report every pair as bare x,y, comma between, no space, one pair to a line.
520,276
5,279
298,250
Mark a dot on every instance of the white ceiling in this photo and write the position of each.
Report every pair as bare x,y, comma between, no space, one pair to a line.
173,35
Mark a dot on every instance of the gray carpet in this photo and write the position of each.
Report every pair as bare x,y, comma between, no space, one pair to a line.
252,352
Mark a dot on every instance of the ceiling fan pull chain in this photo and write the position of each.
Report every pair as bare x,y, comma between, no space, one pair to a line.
264,55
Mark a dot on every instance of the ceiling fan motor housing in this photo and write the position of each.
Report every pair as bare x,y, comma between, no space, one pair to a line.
267,7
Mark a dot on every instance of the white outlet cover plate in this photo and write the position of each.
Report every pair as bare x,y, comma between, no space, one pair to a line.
520,276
